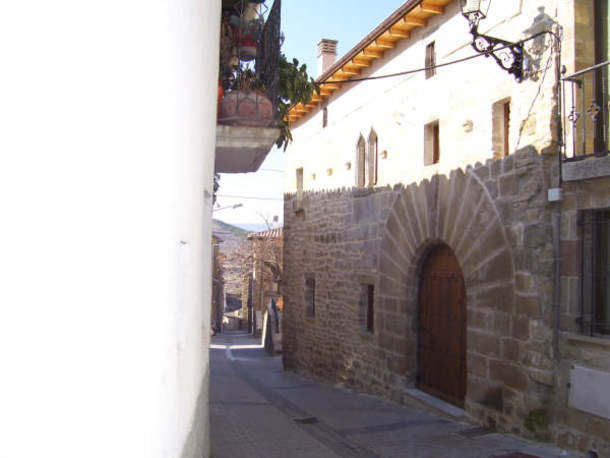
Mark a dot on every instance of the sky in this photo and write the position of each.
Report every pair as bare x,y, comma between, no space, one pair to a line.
304,23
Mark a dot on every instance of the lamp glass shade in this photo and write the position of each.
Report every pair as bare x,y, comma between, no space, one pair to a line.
475,8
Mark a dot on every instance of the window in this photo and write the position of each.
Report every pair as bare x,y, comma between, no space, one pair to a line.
360,162
299,187
430,60
310,295
324,117
501,128
367,307
371,163
595,274
432,152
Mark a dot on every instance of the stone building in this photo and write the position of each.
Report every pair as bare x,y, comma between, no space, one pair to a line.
446,231
262,277
218,286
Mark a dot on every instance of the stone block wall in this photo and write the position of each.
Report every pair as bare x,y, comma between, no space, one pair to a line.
578,429
496,219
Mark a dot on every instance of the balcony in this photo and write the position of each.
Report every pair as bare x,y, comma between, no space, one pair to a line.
248,84
586,123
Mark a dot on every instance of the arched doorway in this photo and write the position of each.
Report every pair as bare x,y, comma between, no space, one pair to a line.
442,327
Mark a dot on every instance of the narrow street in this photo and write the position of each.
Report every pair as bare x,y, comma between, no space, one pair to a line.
259,410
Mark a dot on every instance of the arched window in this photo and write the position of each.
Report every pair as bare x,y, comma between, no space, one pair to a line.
372,157
360,162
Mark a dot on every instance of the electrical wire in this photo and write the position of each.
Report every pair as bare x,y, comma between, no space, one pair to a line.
445,64
249,197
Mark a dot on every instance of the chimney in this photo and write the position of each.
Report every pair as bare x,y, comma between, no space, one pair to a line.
276,222
327,53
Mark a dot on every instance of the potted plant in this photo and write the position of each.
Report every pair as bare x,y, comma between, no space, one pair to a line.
245,104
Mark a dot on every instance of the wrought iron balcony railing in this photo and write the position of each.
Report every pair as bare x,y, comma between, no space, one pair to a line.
586,113
249,63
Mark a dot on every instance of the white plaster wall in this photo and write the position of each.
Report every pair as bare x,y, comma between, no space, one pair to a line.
107,123
398,108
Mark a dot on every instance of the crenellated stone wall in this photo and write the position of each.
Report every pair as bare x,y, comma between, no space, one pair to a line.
495,218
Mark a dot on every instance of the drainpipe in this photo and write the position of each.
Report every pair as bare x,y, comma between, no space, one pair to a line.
557,218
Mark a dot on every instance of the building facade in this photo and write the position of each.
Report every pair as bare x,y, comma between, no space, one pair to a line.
262,277
446,231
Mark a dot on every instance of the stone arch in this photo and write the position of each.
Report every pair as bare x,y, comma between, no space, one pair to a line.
457,211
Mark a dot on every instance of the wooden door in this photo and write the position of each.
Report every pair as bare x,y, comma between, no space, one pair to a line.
442,327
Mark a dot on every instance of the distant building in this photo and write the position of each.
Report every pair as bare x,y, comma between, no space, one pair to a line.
262,281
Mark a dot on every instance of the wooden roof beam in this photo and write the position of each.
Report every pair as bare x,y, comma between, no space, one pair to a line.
432,9
326,91
410,20
349,71
383,44
359,62
396,33
366,52
332,86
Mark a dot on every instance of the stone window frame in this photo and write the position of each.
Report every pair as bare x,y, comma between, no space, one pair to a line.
300,176
372,158
366,304
360,162
432,149
594,271
309,294
430,62
500,128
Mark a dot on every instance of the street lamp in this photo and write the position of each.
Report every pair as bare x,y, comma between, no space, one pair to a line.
474,10
228,206
507,54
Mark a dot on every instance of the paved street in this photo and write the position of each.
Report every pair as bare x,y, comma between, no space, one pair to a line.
258,410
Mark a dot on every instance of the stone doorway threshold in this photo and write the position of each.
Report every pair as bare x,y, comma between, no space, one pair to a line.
429,402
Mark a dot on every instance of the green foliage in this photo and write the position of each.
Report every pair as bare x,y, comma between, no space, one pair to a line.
296,86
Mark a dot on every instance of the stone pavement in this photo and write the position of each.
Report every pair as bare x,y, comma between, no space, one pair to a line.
258,410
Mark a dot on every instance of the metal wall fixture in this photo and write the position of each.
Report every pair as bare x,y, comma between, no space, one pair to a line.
507,54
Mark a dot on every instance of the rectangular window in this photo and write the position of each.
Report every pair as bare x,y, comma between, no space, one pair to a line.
432,153
367,306
500,118
430,60
324,117
310,295
595,276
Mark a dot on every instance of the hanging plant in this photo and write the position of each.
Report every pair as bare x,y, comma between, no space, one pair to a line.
295,87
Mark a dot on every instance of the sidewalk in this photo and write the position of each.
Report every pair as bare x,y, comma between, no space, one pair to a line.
258,410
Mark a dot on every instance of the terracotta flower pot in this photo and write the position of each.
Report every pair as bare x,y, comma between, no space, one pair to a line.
247,49
246,108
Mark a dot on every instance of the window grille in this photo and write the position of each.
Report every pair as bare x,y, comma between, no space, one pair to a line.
595,272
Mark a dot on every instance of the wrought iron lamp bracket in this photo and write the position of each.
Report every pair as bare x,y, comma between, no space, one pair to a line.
507,54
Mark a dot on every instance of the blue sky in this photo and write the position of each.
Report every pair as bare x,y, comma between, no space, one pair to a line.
304,23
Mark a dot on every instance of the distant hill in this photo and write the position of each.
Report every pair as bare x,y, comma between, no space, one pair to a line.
234,249
254,227
221,226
